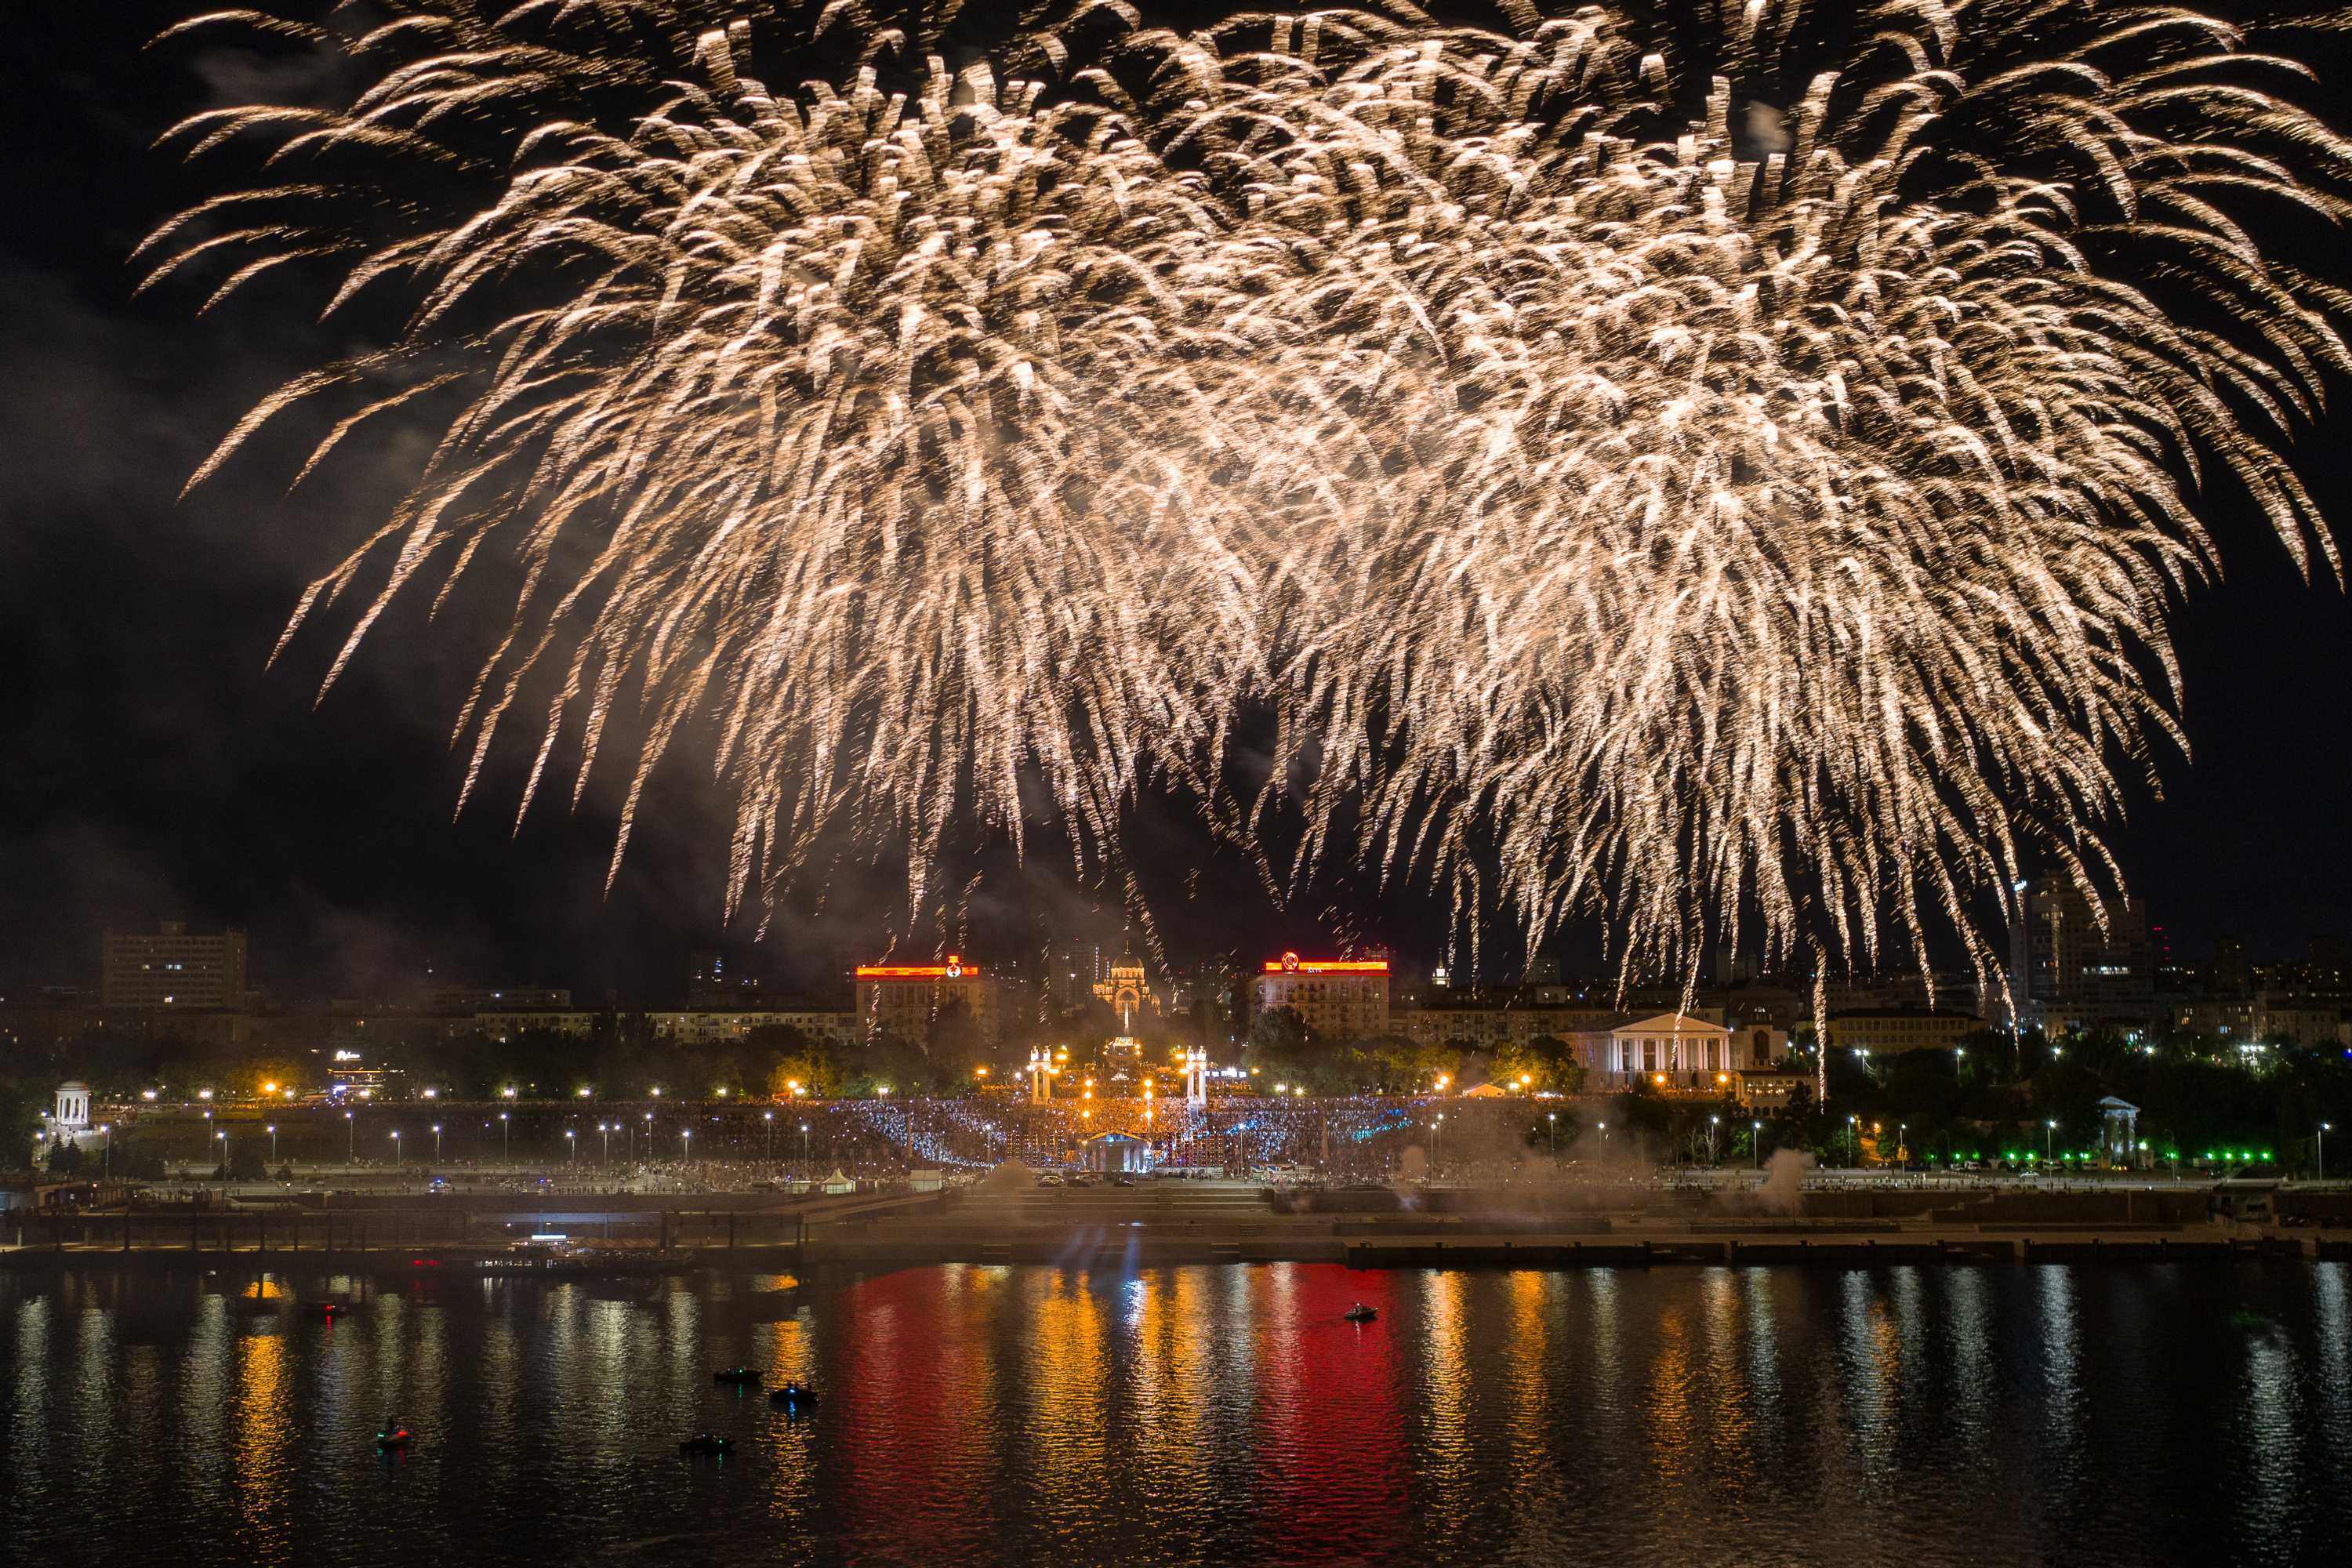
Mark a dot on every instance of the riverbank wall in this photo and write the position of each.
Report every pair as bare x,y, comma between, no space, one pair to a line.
1169,1225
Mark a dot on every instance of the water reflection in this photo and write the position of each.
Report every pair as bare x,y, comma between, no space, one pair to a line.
2160,1415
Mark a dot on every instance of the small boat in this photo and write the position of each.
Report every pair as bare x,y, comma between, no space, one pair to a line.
791,1393
738,1376
390,1435
328,1309
1359,1313
704,1442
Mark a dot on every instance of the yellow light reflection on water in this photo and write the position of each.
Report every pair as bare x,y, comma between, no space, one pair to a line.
1070,1379
1731,1424
1668,1404
1167,1390
1449,1470
261,1433
1532,1296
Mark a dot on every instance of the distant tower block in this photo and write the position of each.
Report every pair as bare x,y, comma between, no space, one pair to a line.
1196,1077
1041,1075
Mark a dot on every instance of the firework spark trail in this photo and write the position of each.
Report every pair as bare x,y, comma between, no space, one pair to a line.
1780,517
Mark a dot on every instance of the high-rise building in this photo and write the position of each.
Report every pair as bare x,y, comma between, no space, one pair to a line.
2074,963
1339,1000
906,999
2230,970
1073,969
172,968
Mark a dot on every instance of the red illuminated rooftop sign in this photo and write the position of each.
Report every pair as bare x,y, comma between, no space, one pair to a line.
1291,963
955,968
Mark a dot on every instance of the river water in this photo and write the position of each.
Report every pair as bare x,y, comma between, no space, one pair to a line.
2189,1413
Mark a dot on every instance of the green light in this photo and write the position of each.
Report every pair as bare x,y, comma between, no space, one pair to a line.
2266,1153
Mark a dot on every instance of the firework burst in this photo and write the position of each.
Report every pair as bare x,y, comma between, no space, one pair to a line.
1659,468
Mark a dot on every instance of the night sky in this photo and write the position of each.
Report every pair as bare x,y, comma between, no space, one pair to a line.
157,768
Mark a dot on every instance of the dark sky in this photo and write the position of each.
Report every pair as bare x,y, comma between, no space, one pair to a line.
157,769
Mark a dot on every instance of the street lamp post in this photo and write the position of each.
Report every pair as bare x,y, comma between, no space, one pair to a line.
804,1155
1852,1130
1756,1142
570,1139
352,1155
2323,1149
395,1150
505,1140
436,1142
606,1128
1553,1117
2050,1142
770,1118
273,1142
1432,1143
223,1149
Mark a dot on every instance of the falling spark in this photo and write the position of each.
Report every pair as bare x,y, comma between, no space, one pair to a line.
1621,513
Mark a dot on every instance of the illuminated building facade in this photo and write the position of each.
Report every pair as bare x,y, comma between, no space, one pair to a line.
905,999
1339,999
1676,1051
1123,987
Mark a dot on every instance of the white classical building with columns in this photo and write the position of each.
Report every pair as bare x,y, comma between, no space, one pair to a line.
1676,1051
69,1121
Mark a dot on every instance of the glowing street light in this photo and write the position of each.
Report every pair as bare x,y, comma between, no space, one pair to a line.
436,1142
2049,1141
350,1128
395,1150
571,1140
505,1140
770,1118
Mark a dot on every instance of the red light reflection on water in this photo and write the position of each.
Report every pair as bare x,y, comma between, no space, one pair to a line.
961,1393
1333,1461
912,1419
